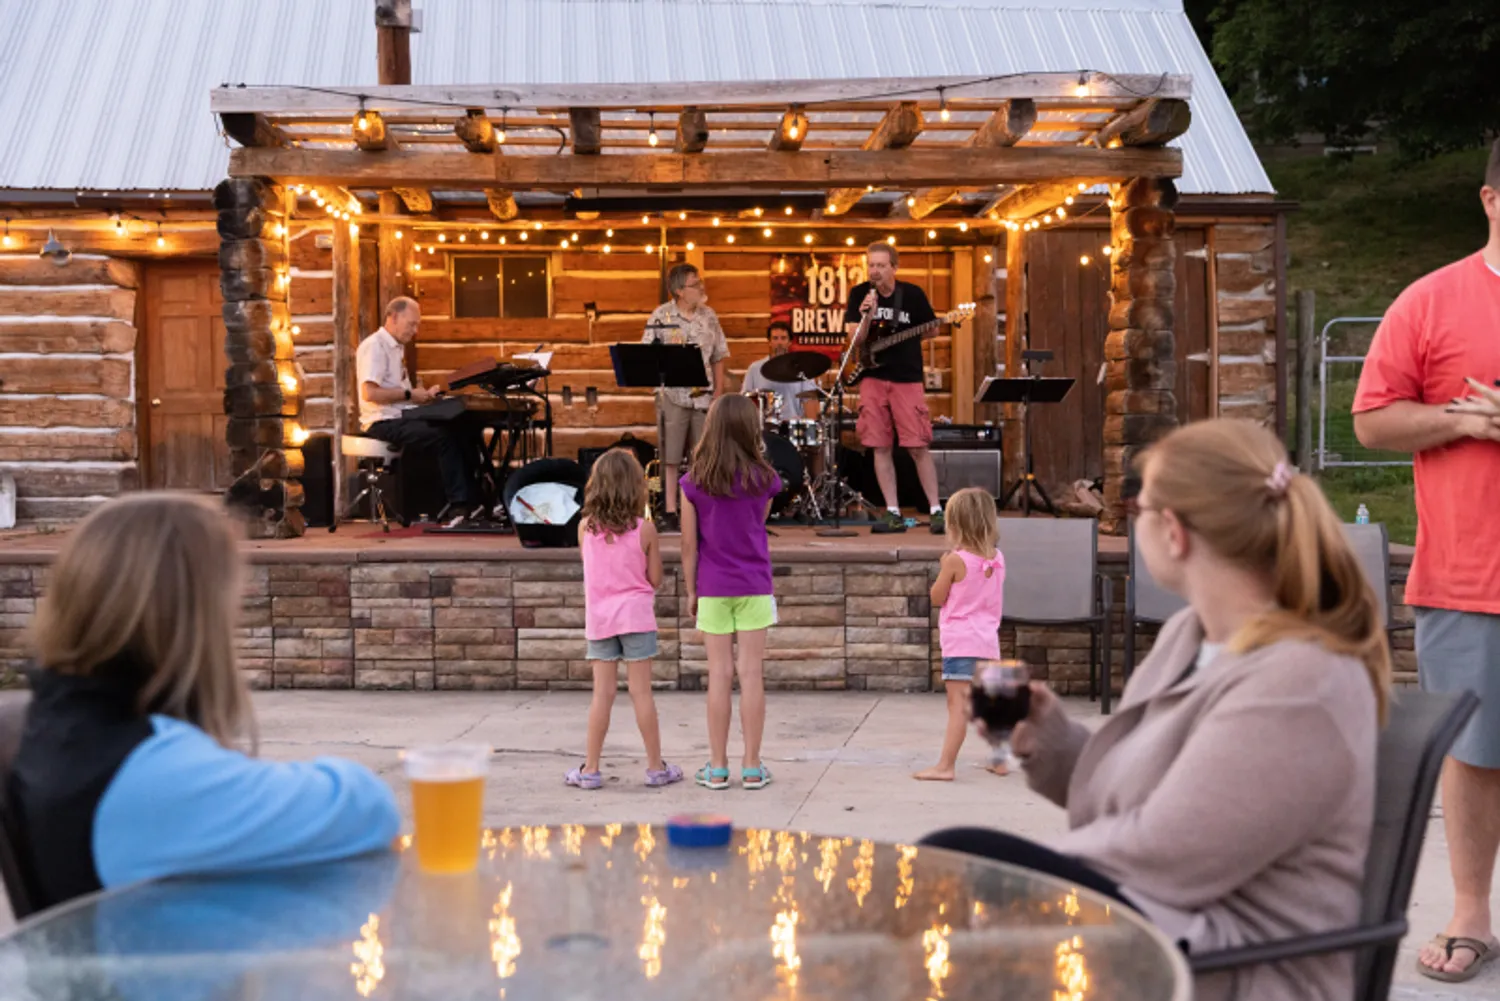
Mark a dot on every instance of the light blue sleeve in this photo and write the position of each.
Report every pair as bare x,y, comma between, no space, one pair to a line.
181,803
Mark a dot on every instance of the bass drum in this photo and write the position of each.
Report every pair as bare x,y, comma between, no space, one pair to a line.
783,457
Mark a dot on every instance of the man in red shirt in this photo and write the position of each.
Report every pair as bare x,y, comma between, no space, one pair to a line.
1439,334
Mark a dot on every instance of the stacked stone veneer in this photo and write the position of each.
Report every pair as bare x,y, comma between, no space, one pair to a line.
337,622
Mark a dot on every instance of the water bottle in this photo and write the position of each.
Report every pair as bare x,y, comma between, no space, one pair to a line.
1362,516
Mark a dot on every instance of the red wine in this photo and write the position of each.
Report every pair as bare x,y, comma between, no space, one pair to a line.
1002,697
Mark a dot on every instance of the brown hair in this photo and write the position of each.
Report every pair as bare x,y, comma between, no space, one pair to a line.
972,521
1219,478
615,498
729,457
888,249
1492,171
147,590
678,277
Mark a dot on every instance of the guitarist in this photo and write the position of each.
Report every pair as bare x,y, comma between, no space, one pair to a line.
892,407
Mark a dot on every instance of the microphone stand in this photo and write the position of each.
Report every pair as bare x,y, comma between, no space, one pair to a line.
838,531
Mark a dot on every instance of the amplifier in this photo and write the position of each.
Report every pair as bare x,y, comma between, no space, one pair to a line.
967,467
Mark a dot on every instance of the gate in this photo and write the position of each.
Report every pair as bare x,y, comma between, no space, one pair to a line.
1342,346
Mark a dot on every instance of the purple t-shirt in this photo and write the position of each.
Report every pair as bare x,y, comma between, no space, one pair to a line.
734,555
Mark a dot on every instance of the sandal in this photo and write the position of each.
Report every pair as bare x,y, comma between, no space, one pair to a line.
710,777
669,773
755,778
585,780
1483,953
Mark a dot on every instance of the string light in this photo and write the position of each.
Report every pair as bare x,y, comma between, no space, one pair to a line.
788,210
1068,200
682,215
963,227
1061,212
563,243
757,211
296,330
161,241
417,266
504,120
716,220
463,238
691,245
431,250
606,248
1084,260
943,105
525,236
573,237
502,237
729,238
650,248
609,232
484,234
645,220
120,226
398,234
442,238
891,239
652,140
1047,218
807,238
911,202
988,258
1082,186
869,187
831,207
932,234
1082,90
848,241
1106,250
354,229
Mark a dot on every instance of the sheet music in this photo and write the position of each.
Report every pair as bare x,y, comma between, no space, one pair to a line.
543,359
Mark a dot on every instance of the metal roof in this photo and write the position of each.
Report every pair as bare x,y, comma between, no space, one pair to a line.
112,95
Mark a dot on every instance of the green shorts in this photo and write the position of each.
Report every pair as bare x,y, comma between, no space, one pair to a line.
723,616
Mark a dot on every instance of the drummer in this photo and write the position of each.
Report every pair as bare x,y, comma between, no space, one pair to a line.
779,334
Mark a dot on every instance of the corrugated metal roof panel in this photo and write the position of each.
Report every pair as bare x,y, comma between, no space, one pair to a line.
112,95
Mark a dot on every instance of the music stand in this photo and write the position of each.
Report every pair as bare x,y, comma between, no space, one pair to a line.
1025,391
655,365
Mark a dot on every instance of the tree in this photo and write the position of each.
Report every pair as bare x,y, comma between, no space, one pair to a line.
1419,72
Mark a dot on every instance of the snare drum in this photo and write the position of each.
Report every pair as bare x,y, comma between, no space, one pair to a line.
769,405
803,433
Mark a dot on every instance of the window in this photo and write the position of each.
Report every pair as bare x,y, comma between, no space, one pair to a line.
499,286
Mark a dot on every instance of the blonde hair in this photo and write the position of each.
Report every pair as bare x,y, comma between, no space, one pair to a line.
1228,481
972,521
615,498
729,458
147,590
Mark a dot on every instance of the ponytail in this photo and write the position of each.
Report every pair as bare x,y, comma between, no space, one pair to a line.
1229,481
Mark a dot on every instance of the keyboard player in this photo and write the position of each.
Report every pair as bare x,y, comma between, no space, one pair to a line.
385,390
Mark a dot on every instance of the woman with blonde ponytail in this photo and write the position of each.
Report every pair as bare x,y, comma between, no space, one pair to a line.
1231,797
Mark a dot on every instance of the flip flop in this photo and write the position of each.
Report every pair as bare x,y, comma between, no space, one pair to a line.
1483,953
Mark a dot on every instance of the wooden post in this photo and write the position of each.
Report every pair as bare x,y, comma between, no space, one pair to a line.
961,346
393,40
345,343
393,35
1015,343
1307,361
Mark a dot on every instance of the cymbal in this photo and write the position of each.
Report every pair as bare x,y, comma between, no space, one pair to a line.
794,366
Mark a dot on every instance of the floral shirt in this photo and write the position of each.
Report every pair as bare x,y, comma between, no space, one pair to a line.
702,329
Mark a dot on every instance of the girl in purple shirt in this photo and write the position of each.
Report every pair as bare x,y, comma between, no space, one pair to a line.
726,564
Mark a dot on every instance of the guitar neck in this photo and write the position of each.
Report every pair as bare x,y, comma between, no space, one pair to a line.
921,330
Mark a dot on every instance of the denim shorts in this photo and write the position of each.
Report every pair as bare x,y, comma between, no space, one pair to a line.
626,646
959,668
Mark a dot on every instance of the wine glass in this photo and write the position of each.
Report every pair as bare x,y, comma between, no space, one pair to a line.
1001,698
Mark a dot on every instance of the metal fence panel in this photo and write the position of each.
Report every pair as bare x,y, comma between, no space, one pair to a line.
1342,346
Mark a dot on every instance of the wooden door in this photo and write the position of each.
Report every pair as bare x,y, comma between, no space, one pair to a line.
184,411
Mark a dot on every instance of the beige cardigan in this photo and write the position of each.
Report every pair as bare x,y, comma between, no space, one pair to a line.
1233,806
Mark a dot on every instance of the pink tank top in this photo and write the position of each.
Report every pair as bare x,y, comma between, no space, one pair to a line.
969,624
618,593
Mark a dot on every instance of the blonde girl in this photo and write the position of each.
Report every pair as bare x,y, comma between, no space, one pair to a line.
969,588
621,572
726,565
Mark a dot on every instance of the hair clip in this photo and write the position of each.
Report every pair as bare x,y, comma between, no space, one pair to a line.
1280,479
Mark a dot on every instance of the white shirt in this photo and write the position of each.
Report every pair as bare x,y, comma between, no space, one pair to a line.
791,407
382,360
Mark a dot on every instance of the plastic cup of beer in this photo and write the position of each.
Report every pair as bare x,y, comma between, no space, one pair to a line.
447,799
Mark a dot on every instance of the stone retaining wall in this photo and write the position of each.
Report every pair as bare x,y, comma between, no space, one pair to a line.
518,623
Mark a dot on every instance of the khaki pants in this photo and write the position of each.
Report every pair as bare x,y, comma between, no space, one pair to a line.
681,429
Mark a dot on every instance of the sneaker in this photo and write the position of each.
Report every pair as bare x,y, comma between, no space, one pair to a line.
889,522
936,525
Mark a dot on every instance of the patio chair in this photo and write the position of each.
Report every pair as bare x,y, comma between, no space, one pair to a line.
1422,727
1052,578
1373,549
1146,601
17,887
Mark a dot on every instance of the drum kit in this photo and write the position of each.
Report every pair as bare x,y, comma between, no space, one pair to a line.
803,450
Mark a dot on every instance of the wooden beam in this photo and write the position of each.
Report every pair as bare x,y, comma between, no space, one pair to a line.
251,130
900,169
1103,88
790,133
1027,200
476,131
1154,123
393,41
584,127
502,204
1004,128
900,126
416,200
369,132
345,343
967,264
692,131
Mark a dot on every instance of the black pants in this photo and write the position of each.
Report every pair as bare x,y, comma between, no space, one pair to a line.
454,460
1008,848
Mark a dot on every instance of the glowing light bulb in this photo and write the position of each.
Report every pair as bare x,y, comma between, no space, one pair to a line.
606,248
681,215
716,220
1068,200
536,225
525,236
609,232
573,237
652,139
463,238
645,220
932,234
963,227
442,238
791,131
1106,250
729,238
1084,260
788,210
988,258
848,241
650,248
891,239
911,202
296,330
807,238
398,234
691,245
484,234
766,231
1082,186
757,211
502,237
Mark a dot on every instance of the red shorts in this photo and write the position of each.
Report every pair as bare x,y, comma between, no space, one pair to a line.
892,413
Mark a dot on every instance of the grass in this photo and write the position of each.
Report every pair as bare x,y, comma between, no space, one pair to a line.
1366,228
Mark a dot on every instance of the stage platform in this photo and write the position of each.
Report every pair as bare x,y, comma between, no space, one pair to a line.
362,609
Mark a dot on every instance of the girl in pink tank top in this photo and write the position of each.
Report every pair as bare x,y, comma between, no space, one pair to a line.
621,572
970,587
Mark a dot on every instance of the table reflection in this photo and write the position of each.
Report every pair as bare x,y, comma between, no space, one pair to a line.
591,913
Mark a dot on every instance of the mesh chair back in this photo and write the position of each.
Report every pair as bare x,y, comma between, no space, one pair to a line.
12,721
1373,550
1422,727
1152,602
1050,567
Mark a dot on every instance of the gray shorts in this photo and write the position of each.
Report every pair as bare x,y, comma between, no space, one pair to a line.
681,428
626,646
1458,651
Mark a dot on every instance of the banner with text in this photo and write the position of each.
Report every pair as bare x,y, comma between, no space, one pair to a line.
810,293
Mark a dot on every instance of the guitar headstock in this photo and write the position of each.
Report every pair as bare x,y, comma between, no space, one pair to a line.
959,313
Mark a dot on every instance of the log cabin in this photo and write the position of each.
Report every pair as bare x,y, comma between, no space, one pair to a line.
191,336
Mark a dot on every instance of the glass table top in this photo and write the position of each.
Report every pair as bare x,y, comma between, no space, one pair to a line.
604,912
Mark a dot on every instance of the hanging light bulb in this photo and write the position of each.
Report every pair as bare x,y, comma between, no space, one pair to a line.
463,238
645,220
766,232
573,237
502,237
988,258
7,240
869,187
504,120
120,225
525,236
609,232
650,248
354,229
398,234
932,234
1106,250
788,210
690,245
943,106
911,202
848,241
757,211
1062,213
1082,90
431,250
1082,186
1068,200
442,238
729,238
716,220
563,243
484,234
807,238
605,248
891,239
161,241
1084,260
417,266
296,330
963,227
651,139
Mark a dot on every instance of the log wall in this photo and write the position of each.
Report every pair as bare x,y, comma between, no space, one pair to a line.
1245,280
67,382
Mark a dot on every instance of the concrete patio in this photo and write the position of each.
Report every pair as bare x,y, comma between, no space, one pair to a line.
842,763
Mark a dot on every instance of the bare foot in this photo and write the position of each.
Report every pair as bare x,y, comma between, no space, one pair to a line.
998,769
935,775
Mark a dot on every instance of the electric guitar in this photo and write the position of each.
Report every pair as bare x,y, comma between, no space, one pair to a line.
869,342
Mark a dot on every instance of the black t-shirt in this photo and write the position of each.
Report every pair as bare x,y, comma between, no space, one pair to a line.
899,362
